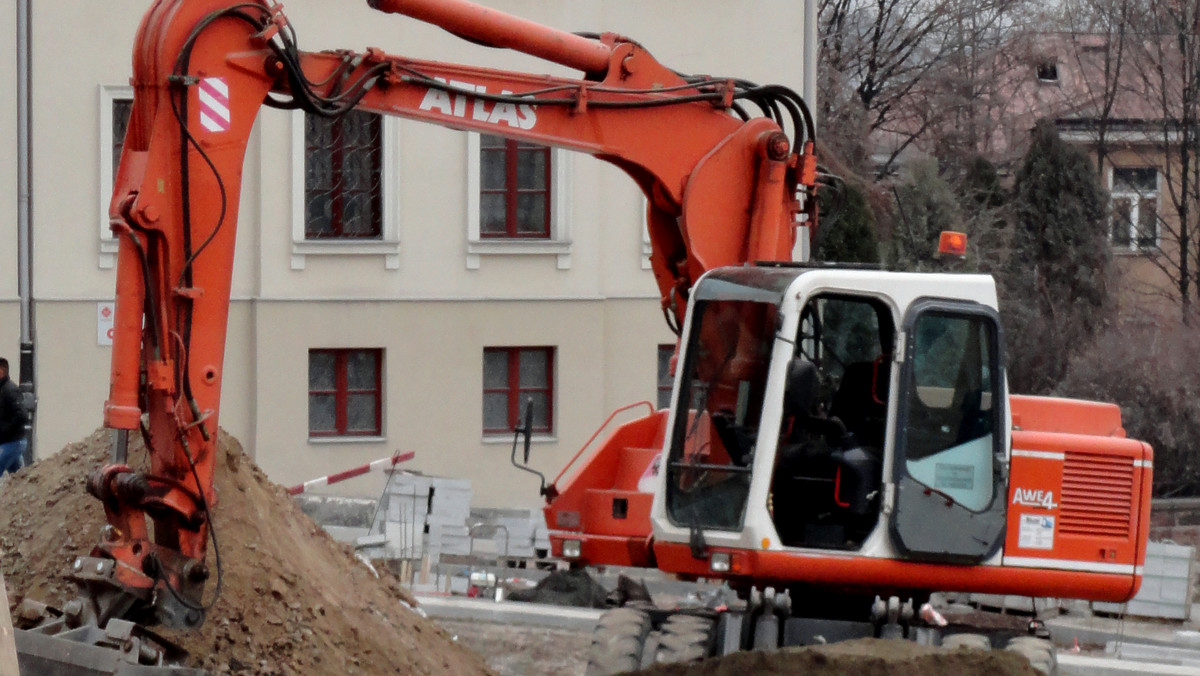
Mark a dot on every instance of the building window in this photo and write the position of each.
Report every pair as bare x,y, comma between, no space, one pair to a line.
665,379
116,105
514,193
343,176
121,110
506,177
1134,208
1047,71
345,393
512,376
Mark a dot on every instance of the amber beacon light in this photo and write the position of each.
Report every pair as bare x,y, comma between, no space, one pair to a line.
952,243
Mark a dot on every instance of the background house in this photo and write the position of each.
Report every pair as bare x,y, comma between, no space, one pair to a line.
383,296
1108,96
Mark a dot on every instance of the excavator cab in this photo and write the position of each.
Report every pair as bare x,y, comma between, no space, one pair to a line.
840,446
834,409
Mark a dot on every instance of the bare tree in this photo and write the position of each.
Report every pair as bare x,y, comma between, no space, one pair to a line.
1166,75
911,64
1105,24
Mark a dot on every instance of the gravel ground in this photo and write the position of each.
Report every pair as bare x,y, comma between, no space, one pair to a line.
511,650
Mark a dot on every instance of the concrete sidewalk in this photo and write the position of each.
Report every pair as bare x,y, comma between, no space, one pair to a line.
509,612
1083,665
1099,630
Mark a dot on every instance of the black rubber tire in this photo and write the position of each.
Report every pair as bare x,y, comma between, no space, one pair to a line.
618,642
1040,652
972,641
685,638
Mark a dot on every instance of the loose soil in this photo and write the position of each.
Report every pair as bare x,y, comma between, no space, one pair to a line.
863,657
292,600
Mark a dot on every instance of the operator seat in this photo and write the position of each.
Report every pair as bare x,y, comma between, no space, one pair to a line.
861,400
802,483
861,403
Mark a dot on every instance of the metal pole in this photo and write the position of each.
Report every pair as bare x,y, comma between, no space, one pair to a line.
810,56
24,210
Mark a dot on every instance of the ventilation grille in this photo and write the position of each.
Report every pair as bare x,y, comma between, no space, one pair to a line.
1097,495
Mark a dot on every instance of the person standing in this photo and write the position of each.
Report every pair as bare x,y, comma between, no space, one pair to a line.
12,422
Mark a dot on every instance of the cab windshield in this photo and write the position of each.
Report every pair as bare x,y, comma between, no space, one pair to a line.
721,393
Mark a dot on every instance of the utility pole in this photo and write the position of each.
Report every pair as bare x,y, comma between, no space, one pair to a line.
24,211
810,57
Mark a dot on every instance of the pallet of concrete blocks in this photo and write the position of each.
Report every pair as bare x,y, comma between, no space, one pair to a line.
404,500
541,538
371,547
1166,591
449,499
514,530
447,538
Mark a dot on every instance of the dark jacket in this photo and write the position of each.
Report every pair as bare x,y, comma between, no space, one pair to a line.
12,412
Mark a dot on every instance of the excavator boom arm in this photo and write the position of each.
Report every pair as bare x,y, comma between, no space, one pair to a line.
722,188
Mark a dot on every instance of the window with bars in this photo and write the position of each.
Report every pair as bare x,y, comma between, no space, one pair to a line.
665,379
345,393
1134,208
121,110
512,376
343,176
514,195
116,106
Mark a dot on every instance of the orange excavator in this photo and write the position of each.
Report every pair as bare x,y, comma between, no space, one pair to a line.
837,435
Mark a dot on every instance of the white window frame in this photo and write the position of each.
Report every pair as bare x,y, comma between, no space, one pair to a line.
647,248
1135,198
559,243
388,246
107,242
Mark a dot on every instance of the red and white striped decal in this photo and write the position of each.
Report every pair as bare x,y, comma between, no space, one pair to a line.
214,104
382,463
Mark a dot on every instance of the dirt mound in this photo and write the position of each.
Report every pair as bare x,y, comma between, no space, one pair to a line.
293,601
864,657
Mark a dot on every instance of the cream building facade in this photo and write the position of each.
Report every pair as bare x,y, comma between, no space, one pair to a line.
429,296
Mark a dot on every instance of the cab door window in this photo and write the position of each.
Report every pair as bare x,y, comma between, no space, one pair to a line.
950,427
949,461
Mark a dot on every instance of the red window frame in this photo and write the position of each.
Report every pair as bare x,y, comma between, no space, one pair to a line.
339,150
515,393
513,152
342,390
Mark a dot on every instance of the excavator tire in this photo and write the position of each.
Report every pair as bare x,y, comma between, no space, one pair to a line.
972,641
618,642
650,650
1040,652
685,638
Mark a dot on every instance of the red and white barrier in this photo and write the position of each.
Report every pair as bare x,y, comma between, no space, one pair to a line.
382,463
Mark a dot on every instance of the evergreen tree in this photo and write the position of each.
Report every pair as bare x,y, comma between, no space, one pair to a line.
1054,285
984,203
846,231
926,206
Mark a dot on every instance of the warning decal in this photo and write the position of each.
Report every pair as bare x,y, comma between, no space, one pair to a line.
1037,532
214,104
